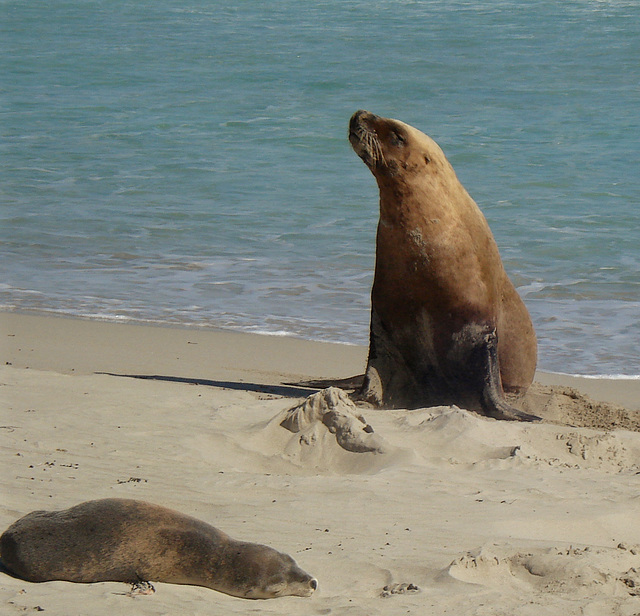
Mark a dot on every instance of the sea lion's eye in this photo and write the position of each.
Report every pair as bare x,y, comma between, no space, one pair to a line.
397,139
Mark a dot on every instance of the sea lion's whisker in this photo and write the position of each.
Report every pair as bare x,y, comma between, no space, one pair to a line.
372,144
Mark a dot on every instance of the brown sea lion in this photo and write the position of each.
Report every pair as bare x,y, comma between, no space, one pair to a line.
122,540
447,325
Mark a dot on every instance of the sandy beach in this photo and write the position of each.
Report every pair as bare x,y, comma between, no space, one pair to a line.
458,514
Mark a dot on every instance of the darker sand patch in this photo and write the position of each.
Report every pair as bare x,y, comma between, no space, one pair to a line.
568,406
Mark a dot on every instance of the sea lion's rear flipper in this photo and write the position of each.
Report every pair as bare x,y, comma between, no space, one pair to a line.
492,400
141,587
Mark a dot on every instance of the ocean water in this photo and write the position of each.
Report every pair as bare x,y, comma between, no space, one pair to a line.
187,162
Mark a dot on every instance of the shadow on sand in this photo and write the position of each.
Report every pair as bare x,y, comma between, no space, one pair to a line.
286,390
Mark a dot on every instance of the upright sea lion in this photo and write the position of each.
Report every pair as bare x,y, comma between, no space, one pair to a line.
447,325
122,540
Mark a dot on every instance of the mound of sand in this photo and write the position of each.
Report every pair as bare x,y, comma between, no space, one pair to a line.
568,406
333,409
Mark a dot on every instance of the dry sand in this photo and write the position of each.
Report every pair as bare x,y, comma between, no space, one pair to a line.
459,515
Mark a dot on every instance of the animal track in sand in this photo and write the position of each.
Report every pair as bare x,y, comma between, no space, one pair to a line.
600,450
456,436
398,589
583,571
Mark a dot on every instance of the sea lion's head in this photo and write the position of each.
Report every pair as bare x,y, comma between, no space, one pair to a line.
260,572
391,148
412,172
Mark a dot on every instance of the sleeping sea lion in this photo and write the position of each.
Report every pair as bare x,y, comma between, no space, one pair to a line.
122,540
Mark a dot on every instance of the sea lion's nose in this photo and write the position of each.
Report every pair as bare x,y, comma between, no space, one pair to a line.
361,116
313,584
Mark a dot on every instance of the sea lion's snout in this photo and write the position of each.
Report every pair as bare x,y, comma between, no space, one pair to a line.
361,120
354,129
356,117
364,139
309,587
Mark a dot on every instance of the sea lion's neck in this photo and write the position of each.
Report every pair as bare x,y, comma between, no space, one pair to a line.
406,209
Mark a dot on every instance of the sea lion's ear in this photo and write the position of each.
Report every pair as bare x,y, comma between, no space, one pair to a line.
427,159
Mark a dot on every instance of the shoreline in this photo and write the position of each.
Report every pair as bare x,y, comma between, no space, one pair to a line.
72,345
255,330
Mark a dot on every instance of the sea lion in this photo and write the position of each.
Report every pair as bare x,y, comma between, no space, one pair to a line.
447,325
123,540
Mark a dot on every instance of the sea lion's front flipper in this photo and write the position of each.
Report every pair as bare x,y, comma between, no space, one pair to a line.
492,400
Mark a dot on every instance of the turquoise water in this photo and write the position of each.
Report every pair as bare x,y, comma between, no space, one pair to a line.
187,162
